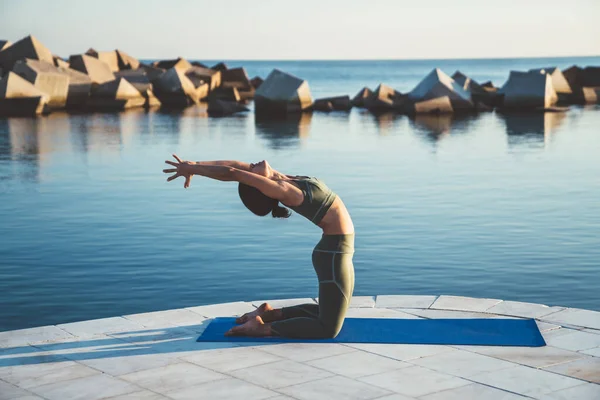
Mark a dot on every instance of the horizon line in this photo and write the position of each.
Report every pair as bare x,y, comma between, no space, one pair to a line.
374,59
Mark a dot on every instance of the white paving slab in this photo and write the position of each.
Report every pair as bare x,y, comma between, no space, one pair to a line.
24,337
414,381
587,369
401,352
169,319
97,327
336,387
575,341
441,314
362,302
280,374
525,310
395,396
225,360
89,388
546,326
28,376
378,313
234,309
9,391
537,357
357,364
460,303
223,389
306,351
116,365
141,395
281,397
575,316
28,397
527,381
462,363
592,352
172,377
404,301
473,391
586,391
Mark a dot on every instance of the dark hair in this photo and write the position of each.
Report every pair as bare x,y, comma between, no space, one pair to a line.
261,204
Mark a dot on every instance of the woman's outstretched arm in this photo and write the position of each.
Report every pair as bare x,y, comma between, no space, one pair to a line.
279,190
244,166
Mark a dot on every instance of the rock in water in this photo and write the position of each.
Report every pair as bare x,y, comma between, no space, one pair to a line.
116,95
221,108
174,89
591,77
281,94
559,82
200,75
238,78
220,67
528,91
47,78
338,103
19,97
256,81
80,87
59,62
438,105
4,44
436,85
98,71
226,94
108,57
152,72
125,61
139,79
180,64
382,99
359,99
322,105
483,98
28,47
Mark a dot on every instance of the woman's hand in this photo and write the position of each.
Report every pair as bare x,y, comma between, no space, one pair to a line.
183,168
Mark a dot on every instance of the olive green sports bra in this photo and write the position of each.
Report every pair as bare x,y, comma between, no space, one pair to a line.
318,198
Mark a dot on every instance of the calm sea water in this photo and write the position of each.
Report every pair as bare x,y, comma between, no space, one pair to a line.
484,206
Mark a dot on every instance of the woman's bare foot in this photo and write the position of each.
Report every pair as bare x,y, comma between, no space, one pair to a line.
253,327
259,312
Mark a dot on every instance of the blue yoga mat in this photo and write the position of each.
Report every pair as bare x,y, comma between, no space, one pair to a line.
476,332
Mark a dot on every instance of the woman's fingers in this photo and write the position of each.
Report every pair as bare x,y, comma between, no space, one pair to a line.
188,180
171,163
236,330
177,158
168,171
169,179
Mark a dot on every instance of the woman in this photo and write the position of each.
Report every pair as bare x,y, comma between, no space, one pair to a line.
261,189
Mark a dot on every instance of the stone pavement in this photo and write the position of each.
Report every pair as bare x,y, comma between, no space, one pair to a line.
155,356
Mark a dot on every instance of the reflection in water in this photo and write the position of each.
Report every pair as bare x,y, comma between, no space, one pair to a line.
31,141
532,129
436,127
35,142
284,133
385,122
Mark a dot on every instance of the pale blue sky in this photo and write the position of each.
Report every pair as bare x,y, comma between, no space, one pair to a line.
310,29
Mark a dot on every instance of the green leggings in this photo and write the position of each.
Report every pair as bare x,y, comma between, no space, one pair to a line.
332,260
